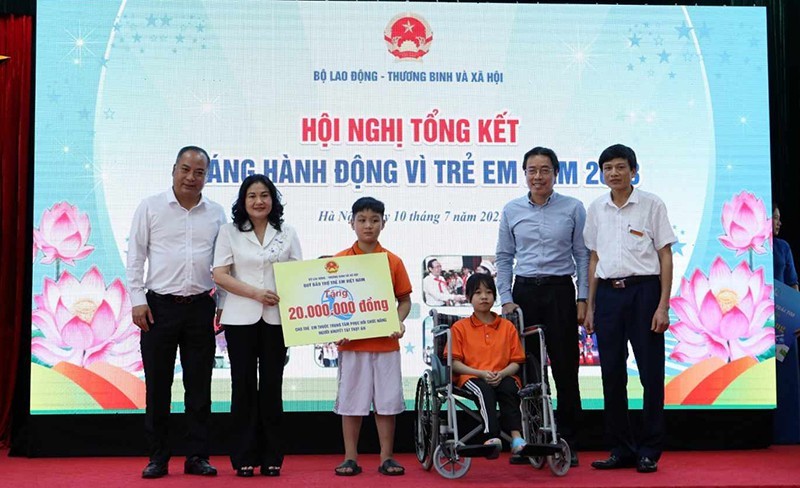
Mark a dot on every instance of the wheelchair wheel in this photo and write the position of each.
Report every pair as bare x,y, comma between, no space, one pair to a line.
447,461
559,462
533,433
423,432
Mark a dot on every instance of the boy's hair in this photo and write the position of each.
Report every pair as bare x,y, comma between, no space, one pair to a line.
368,203
476,280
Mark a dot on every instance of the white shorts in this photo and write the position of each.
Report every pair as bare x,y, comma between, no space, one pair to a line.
369,378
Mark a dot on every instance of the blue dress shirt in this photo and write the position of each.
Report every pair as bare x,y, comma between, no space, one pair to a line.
545,240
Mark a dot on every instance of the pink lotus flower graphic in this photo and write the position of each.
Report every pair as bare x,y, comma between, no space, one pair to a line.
83,322
723,315
62,234
746,224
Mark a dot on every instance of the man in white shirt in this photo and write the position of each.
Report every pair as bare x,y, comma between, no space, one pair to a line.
434,286
630,238
175,232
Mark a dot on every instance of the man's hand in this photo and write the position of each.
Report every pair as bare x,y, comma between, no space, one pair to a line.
400,333
581,312
588,320
660,320
509,307
142,317
342,341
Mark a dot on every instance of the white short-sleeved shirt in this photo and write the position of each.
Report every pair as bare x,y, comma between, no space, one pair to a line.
252,263
627,239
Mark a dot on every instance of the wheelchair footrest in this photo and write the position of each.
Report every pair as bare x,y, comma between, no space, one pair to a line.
530,390
478,450
539,450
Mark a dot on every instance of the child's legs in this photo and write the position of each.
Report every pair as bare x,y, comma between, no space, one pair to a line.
387,397
353,396
385,425
487,405
351,428
510,415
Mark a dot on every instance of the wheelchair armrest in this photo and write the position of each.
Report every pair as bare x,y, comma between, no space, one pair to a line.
533,329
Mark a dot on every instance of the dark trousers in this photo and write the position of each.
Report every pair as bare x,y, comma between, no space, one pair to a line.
489,396
622,315
256,399
554,306
190,326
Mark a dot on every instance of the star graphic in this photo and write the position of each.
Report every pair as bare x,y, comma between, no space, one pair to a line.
137,37
200,27
109,113
642,59
165,20
677,248
634,40
753,42
724,57
703,31
179,38
664,55
409,348
116,26
659,41
84,114
672,75
630,67
683,31
104,62
151,20
409,26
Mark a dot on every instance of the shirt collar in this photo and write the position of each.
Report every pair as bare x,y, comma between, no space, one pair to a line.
357,250
553,196
477,323
632,198
171,198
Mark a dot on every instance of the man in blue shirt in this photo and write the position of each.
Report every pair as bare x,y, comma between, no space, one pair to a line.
543,231
783,263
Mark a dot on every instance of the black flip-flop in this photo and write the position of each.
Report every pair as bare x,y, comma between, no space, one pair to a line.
348,464
391,468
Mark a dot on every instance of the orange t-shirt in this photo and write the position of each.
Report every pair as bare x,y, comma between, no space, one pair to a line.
488,347
402,288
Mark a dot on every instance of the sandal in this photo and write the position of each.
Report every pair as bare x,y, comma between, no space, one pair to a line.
348,468
271,471
245,471
391,468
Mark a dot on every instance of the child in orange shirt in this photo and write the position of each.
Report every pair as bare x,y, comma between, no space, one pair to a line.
369,369
486,357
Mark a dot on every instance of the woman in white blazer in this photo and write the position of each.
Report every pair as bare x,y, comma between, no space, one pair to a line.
245,253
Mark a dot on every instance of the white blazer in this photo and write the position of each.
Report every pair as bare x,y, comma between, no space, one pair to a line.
252,262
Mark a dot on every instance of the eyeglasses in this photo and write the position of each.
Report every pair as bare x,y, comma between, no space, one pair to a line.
542,171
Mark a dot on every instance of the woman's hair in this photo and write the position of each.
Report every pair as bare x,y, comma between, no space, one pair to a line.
239,210
476,280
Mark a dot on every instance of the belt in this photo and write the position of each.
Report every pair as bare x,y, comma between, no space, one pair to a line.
627,281
544,280
179,298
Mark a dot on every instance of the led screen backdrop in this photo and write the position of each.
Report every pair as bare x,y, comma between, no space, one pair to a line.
428,107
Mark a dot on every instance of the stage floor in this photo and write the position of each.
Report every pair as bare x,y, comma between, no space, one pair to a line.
778,466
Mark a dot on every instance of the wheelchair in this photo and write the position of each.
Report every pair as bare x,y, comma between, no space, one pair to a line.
437,403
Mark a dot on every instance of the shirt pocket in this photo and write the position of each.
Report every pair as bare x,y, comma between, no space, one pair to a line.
638,238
